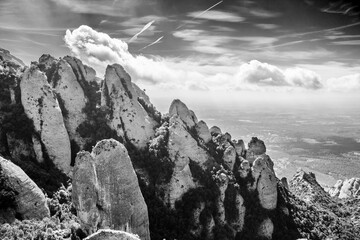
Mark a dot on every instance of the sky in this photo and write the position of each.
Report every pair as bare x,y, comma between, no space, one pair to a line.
204,52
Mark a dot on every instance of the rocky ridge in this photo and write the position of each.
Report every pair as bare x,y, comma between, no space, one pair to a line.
197,183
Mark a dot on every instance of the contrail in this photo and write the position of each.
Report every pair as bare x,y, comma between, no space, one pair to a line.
158,40
200,14
141,31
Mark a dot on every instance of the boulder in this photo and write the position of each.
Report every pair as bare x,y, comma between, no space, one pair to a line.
106,191
41,106
108,234
29,202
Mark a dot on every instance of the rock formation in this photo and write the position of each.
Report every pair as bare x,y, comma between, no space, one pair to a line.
106,192
42,107
346,189
264,175
256,147
198,183
19,195
131,116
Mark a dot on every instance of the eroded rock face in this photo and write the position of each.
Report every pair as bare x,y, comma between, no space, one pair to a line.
264,175
181,148
346,189
106,192
305,186
256,147
266,229
107,234
180,109
69,92
41,106
28,200
203,131
131,118
214,130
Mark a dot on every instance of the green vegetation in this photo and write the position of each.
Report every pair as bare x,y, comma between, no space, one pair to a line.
7,194
96,128
150,109
62,224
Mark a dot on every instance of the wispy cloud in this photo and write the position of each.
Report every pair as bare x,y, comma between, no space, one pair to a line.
105,7
262,13
348,43
99,49
216,15
267,26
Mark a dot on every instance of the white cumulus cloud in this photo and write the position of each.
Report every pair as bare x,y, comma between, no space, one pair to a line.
99,50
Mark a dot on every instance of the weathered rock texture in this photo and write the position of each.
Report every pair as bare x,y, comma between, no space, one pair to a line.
27,200
131,116
346,188
42,107
67,81
107,234
106,192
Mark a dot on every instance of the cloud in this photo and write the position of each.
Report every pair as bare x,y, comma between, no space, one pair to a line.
267,26
264,74
105,7
99,49
349,42
347,83
303,78
216,15
261,74
204,41
262,13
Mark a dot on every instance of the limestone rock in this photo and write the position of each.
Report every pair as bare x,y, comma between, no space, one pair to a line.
82,72
306,187
222,182
106,192
29,201
6,56
181,148
266,229
107,234
229,157
41,105
69,93
214,130
239,147
238,223
129,118
244,168
227,136
346,189
265,178
203,131
256,148
180,109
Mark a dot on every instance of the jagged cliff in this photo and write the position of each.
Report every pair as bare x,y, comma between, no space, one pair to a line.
197,183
